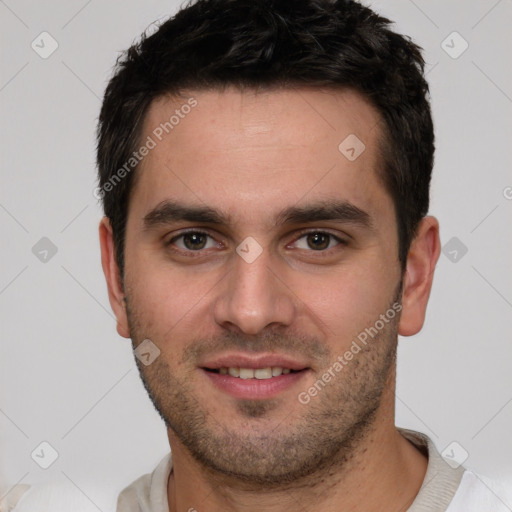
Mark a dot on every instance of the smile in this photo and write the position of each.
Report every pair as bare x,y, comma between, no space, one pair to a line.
253,373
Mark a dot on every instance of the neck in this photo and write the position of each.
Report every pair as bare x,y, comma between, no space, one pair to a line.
384,472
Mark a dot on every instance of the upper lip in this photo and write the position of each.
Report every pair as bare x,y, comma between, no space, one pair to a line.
247,361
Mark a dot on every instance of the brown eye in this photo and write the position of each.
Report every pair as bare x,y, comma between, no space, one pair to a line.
193,241
317,241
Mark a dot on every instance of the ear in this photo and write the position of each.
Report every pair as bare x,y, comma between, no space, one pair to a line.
419,274
113,277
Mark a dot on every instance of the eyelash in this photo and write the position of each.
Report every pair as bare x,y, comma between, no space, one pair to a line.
301,234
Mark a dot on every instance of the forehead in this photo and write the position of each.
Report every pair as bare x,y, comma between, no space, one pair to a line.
267,149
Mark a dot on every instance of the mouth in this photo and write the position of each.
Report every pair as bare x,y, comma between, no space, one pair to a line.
252,373
246,377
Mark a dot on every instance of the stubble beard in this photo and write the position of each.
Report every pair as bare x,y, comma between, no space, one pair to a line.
322,440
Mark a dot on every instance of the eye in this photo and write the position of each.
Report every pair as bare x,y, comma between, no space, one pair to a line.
196,241
317,241
193,241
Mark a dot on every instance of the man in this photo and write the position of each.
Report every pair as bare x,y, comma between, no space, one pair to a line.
264,168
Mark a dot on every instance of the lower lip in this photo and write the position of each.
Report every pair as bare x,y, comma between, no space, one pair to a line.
254,389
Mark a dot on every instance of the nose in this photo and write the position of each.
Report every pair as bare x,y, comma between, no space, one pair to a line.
253,297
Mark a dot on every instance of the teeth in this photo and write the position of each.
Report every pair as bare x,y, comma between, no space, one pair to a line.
246,373
263,373
234,372
258,373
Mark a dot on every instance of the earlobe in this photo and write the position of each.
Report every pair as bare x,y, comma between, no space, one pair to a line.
113,278
421,262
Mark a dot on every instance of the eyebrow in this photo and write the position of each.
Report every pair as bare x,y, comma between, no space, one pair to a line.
170,211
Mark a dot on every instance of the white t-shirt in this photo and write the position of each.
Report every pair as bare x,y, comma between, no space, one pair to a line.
444,489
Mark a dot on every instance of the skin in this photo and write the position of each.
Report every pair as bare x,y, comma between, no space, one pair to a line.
250,155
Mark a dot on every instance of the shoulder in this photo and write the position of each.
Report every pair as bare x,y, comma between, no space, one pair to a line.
477,493
149,492
52,496
135,496
11,497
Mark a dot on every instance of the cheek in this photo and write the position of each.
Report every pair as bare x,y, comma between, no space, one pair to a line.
349,300
167,303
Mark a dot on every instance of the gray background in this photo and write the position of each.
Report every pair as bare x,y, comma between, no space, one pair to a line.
68,379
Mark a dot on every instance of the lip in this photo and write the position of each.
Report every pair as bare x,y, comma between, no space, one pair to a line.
254,389
246,361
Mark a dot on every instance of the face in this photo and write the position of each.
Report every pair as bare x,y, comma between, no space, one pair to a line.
257,252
